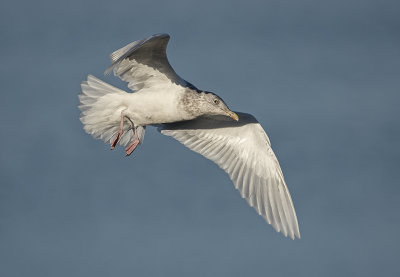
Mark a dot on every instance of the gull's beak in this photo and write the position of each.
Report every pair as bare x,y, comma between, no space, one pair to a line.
232,115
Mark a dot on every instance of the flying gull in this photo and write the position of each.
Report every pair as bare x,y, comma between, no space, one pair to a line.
198,119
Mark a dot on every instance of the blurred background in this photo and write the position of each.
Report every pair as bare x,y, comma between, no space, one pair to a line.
322,77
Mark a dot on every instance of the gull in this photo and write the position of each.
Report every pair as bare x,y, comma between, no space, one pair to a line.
198,119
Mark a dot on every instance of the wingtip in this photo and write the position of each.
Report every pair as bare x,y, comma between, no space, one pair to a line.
295,235
108,70
161,35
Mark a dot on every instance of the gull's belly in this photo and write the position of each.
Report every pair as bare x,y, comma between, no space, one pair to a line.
146,108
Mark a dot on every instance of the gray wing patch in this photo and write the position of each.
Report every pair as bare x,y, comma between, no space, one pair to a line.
150,52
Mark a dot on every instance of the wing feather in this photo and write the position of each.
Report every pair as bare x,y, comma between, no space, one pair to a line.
144,64
243,150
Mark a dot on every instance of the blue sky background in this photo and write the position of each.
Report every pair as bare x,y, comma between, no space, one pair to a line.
322,77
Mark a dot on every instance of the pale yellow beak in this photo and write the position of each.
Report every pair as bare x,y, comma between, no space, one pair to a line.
233,115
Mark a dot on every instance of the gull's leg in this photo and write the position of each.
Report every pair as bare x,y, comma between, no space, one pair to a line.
120,131
132,146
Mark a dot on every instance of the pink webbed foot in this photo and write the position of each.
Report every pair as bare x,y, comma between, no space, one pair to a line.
117,137
132,146
119,133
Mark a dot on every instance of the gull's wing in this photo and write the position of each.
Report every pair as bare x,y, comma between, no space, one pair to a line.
243,150
144,64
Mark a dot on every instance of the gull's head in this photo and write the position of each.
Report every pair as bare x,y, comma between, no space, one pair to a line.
212,104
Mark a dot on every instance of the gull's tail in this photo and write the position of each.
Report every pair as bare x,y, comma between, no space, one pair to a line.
101,105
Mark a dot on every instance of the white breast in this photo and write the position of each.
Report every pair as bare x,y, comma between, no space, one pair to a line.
155,106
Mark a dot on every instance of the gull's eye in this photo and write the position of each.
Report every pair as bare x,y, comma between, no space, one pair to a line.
216,101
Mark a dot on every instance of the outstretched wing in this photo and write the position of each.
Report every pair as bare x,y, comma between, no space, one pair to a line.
144,64
243,150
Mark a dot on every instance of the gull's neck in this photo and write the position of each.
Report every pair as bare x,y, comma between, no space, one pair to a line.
189,103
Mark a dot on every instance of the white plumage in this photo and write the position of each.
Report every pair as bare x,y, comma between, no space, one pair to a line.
100,106
197,119
244,152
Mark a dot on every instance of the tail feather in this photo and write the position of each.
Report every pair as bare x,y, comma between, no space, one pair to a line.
101,105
